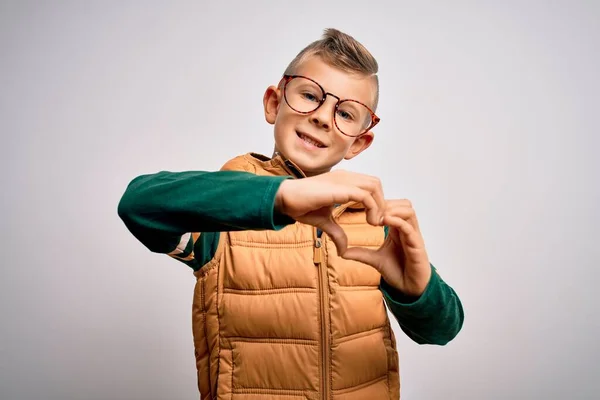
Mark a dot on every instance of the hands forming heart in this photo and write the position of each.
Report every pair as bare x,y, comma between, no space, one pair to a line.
401,260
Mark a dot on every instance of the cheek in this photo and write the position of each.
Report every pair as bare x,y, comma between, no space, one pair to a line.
283,121
343,143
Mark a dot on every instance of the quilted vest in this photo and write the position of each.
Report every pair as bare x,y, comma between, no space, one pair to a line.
277,315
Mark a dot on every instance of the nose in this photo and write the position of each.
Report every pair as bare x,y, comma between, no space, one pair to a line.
323,116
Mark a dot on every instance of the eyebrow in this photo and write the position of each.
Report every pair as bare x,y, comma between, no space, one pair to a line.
369,104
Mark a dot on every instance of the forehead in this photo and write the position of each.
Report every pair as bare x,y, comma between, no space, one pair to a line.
345,85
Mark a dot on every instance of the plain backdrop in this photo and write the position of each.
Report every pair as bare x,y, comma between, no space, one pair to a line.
489,125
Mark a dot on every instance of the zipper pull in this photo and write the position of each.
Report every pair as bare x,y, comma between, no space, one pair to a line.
317,251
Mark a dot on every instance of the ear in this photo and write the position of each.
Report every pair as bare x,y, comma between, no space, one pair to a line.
271,102
360,144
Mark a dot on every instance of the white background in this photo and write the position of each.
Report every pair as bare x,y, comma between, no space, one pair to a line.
489,125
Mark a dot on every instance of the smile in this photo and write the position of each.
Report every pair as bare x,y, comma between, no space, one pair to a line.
310,140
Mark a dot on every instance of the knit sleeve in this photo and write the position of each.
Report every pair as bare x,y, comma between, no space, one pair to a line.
181,213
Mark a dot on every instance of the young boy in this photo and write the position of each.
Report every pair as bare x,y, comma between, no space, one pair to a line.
293,262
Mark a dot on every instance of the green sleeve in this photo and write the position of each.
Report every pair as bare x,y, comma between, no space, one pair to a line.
435,317
162,210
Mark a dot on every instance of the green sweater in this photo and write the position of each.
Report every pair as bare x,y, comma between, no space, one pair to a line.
161,209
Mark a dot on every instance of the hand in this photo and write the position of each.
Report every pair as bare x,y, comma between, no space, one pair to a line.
402,260
311,200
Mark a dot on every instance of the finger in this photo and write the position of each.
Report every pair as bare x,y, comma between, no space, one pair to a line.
372,185
410,235
337,234
398,202
377,191
363,255
364,196
404,211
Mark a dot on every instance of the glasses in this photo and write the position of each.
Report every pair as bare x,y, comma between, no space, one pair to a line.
304,95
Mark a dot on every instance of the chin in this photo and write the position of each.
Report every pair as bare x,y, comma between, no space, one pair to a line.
307,164
311,161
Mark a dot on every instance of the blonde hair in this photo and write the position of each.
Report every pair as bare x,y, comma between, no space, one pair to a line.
341,51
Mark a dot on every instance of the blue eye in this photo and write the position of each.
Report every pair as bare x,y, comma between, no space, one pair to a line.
345,115
310,97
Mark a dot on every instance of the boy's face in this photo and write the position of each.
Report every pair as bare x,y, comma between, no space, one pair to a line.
313,141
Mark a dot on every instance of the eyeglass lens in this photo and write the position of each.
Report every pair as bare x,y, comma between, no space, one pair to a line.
305,96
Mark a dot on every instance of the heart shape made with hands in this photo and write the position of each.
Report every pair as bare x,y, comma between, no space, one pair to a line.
402,259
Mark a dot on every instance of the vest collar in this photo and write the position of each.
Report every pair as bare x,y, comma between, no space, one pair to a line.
278,164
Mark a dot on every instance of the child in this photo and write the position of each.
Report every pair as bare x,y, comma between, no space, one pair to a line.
293,262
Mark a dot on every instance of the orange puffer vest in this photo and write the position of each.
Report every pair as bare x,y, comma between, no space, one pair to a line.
278,315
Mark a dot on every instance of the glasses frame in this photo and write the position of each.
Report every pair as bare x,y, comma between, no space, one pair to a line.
374,118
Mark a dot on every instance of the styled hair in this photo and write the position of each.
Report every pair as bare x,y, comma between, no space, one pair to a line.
341,51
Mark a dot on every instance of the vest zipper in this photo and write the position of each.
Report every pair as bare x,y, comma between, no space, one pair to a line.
323,303
317,254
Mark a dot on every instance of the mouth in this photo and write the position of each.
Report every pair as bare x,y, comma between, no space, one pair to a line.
310,140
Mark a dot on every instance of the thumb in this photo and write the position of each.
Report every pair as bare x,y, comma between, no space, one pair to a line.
337,234
363,255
